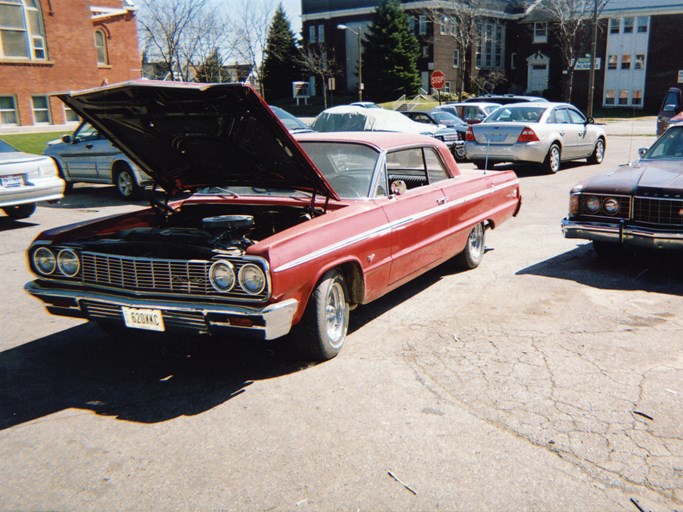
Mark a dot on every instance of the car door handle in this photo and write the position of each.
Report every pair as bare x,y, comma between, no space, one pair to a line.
89,146
442,200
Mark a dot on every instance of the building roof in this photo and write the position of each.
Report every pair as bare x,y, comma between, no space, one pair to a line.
615,8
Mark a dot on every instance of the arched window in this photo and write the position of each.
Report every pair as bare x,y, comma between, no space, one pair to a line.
101,47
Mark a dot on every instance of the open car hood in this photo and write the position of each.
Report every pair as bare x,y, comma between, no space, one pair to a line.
187,136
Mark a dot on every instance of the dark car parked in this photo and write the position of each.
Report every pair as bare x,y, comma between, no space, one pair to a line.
638,204
439,117
671,111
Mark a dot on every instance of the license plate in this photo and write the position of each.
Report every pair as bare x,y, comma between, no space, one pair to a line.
11,181
149,319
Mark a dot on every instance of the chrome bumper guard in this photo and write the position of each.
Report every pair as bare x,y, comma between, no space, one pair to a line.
623,234
266,323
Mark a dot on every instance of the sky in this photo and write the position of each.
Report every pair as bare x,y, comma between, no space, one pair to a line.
293,10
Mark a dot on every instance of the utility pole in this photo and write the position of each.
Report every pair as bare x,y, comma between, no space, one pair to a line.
594,47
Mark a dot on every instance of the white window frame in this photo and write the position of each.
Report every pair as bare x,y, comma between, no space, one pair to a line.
311,34
540,32
456,58
7,111
615,25
422,30
321,33
33,36
411,25
443,28
70,116
102,49
38,111
629,24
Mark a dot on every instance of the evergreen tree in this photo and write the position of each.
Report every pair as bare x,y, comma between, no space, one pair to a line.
390,54
281,64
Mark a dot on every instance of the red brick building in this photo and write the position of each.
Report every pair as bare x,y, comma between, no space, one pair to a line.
49,46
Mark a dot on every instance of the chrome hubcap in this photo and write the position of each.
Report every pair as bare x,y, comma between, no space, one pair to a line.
475,242
125,183
335,315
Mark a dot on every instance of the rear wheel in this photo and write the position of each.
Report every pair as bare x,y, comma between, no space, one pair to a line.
126,186
598,153
20,211
473,252
459,152
552,159
326,320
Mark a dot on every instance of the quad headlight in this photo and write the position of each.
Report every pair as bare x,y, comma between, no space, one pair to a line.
68,263
252,279
222,276
611,206
592,204
44,261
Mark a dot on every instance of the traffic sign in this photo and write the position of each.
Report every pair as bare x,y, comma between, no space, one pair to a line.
438,80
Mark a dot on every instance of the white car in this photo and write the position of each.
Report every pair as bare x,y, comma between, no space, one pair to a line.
543,133
26,179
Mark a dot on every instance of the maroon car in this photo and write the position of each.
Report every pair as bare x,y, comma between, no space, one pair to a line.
259,234
638,204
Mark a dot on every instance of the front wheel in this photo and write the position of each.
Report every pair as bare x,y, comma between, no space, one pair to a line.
473,252
552,159
598,153
326,320
20,211
125,183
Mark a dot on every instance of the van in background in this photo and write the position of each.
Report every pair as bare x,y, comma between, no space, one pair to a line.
671,108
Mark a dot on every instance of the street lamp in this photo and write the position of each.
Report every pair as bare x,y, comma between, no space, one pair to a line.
360,59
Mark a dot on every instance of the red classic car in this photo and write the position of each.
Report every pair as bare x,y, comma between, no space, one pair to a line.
258,233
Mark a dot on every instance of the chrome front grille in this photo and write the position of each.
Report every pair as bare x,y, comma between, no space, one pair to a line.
187,277
658,211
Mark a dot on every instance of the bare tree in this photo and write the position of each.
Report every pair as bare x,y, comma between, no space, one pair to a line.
570,24
318,60
459,19
250,33
181,33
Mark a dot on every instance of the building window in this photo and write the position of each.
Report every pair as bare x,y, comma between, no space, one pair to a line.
425,52
490,45
321,33
642,24
541,32
311,34
609,97
513,60
101,47
456,58
422,30
22,35
623,97
611,62
69,115
444,25
8,110
614,24
626,61
637,97
411,25
628,25
640,62
41,109
447,87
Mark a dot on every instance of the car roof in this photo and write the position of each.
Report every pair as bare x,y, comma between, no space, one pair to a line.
473,104
505,98
384,141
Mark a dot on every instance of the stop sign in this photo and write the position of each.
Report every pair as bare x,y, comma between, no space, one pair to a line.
438,80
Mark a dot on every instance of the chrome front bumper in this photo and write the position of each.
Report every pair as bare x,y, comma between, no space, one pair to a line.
263,323
622,234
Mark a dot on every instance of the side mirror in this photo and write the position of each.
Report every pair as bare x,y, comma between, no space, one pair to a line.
641,152
398,187
66,139
590,120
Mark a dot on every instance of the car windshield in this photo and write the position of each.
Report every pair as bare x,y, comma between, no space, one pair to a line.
347,167
668,146
292,123
6,148
516,114
446,118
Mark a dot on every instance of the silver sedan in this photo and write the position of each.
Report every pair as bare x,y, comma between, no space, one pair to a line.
543,133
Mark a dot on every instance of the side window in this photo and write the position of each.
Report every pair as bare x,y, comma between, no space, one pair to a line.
407,165
436,169
86,132
672,99
576,117
561,116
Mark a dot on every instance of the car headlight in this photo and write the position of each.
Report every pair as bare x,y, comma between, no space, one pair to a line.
222,276
68,262
252,279
611,206
44,261
592,204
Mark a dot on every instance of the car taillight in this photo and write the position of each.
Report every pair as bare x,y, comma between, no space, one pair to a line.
527,135
470,135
